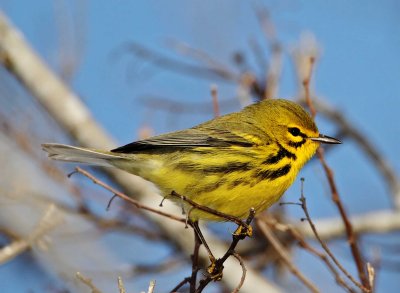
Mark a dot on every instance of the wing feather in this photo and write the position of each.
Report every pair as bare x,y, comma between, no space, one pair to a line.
189,138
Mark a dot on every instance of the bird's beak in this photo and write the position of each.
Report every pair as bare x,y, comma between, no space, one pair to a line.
325,139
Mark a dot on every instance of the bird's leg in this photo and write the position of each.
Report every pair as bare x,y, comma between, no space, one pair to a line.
195,262
195,225
215,268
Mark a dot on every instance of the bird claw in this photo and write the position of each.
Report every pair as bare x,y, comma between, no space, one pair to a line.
215,270
243,231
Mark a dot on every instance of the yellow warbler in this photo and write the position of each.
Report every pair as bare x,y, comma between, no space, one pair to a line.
231,163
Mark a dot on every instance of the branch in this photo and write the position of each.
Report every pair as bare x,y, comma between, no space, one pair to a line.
163,61
88,282
127,198
303,202
374,222
48,222
216,268
351,236
347,128
284,255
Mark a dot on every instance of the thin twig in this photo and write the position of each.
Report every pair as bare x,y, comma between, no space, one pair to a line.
198,55
156,102
88,282
244,271
325,246
215,270
284,255
127,198
351,236
346,127
211,211
306,246
121,286
371,275
152,285
180,285
175,65
214,94
195,262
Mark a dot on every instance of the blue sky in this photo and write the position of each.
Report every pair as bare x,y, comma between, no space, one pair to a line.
358,72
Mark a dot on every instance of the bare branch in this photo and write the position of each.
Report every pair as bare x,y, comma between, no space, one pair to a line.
284,255
325,246
304,244
48,222
373,222
244,270
346,128
351,236
121,286
88,282
127,198
158,59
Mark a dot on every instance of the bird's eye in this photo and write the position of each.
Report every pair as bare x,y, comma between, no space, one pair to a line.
294,131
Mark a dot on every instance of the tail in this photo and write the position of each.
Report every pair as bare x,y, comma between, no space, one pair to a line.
69,153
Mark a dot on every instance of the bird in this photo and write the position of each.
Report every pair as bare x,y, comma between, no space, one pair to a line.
232,163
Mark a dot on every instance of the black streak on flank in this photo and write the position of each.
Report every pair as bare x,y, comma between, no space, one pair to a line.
212,186
228,168
272,174
237,182
216,169
282,153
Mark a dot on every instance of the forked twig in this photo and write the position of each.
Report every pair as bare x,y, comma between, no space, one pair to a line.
211,211
215,270
306,246
127,198
303,202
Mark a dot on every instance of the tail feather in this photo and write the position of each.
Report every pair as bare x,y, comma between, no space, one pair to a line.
69,153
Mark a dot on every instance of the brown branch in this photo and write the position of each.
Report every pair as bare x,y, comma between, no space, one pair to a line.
88,282
161,267
216,268
304,244
195,262
199,55
284,255
180,285
211,211
347,128
214,94
303,202
178,66
244,271
306,85
351,236
121,286
127,198
166,104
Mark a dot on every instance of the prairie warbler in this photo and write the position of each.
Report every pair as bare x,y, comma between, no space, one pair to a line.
231,163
